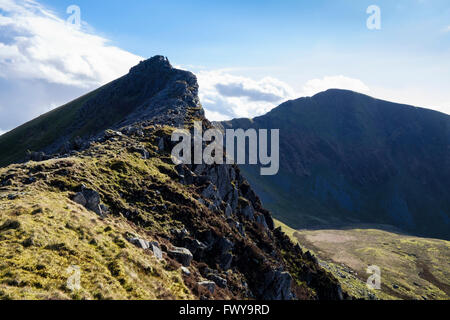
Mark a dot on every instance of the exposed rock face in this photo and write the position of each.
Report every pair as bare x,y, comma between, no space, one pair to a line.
276,286
182,255
205,217
91,200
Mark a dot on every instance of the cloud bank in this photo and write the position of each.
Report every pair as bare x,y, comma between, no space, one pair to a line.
225,96
45,62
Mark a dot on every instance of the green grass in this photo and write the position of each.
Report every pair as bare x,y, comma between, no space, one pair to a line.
43,232
40,132
418,268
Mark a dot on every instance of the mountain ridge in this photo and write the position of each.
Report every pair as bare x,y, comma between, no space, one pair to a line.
137,226
349,158
151,88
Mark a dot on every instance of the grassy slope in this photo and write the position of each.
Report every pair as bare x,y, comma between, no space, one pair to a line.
43,232
40,132
50,233
418,266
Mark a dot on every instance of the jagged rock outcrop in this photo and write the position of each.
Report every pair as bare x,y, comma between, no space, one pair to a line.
202,217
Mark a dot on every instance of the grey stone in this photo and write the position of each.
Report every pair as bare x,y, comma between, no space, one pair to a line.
12,196
221,282
80,199
209,192
161,144
140,243
92,200
224,245
225,261
228,211
248,212
182,255
276,286
112,133
210,285
260,219
196,247
157,251
185,271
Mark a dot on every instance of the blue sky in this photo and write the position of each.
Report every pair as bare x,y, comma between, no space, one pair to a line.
287,48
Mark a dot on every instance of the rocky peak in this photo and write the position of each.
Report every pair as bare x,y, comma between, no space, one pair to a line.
203,217
155,64
153,91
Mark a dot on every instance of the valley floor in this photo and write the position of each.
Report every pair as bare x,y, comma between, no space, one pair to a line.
411,267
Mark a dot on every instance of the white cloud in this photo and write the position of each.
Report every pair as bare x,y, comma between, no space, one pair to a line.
53,62
45,62
2,132
315,86
227,96
37,44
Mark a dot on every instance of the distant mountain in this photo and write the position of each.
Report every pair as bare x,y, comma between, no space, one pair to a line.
348,158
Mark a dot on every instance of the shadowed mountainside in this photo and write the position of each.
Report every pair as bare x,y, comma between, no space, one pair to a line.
348,158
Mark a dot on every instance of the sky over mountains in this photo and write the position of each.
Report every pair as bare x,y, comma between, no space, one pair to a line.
240,73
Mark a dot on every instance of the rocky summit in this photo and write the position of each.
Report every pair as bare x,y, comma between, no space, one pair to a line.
98,192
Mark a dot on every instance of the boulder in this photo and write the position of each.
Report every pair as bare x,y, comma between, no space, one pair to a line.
90,199
143,152
80,199
228,211
161,145
36,156
156,250
182,255
112,134
210,285
221,282
223,245
196,247
248,212
133,130
276,285
140,243
225,261
185,271
260,219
